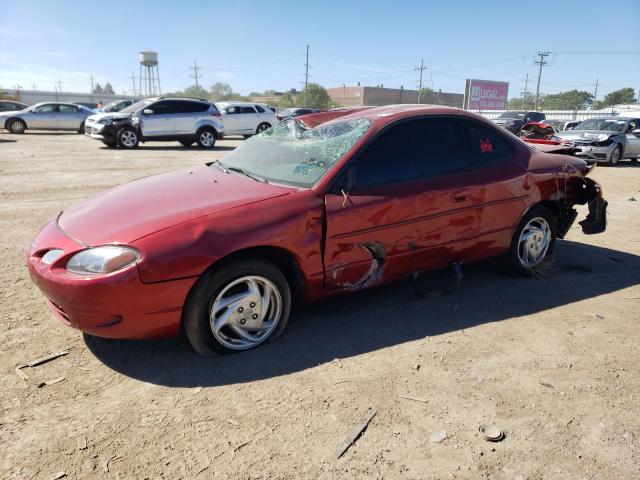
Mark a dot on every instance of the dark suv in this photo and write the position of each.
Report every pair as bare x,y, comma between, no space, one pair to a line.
514,120
185,120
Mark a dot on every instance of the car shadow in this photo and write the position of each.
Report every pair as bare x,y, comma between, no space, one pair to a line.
54,133
389,315
217,148
7,141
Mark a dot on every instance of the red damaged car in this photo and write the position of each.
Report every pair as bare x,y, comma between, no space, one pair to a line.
327,203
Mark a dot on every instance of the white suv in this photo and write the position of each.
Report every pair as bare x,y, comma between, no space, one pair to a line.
185,120
245,118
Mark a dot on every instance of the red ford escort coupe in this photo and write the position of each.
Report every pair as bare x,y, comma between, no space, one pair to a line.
327,203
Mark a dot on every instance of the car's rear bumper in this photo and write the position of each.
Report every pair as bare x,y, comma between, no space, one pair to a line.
118,305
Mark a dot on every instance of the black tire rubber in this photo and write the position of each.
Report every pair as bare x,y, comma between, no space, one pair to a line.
510,262
611,162
110,144
12,121
186,143
195,315
120,144
81,129
206,129
263,124
634,161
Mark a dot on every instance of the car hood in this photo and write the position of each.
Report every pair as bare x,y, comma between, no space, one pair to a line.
97,116
584,134
139,208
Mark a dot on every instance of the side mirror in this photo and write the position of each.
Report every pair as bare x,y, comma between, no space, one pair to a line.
147,111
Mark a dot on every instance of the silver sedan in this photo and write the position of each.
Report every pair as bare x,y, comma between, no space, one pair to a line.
46,116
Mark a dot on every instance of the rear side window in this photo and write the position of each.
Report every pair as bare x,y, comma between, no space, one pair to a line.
259,108
411,150
486,145
247,110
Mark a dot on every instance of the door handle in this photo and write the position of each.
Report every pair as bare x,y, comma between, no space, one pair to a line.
461,195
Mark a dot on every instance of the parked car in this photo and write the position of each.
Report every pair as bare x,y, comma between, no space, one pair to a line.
222,251
606,140
246,119
514,120
295,112
562,125
184,120
90,105
117,105
11,106
46,116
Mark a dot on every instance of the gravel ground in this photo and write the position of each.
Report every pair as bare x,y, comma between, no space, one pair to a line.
553,361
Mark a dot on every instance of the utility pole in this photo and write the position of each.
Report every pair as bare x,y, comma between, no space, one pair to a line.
421,68
91,82
595,92
433,90
34,86
133,82
195,75
524,95
306,77
541,62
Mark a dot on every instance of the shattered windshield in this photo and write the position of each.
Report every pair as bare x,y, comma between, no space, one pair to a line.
291,154
607,124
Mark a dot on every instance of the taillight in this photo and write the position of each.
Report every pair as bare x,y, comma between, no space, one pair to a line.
216,114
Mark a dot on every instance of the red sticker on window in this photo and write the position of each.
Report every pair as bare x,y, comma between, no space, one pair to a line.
485,145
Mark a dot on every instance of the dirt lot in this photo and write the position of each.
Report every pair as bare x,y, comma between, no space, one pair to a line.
551,360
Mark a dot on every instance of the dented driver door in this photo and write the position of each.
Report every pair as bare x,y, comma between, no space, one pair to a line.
408,203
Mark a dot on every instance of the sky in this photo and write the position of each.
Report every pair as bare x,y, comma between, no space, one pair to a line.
254,46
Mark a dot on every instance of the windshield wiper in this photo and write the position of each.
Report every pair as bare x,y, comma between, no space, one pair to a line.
247,174
220,165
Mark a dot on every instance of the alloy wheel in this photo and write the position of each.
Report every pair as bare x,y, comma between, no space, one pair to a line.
534,242
128,138
245,313
206,138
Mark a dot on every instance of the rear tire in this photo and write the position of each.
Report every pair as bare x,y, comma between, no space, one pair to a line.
213,299
81,129
127,137
206,138
262,127
533,242
16,126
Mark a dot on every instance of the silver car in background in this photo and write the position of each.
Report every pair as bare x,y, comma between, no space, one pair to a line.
46,116
606,140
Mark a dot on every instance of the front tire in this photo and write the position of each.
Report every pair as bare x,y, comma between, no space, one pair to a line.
206,138
262,127
616,155
127,138
533,242
81,129
17,126
237,307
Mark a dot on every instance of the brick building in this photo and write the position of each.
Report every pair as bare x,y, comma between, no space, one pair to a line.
358,96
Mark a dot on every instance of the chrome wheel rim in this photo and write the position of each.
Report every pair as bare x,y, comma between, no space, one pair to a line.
128,138
245,313
615,155
17,127
534,242
206,138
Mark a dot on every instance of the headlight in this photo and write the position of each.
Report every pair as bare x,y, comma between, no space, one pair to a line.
602,137
105,121
106,259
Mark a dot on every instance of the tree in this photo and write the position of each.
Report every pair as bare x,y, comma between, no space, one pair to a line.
196,92
108,89
98,88
286,101
221,91
572,100
525,102
624,95
426,96
317,97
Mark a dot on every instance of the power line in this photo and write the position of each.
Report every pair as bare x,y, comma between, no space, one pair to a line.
421,68
541,62
595,91
91,83
195,75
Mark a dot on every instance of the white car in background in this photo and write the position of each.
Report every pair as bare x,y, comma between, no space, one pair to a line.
246,118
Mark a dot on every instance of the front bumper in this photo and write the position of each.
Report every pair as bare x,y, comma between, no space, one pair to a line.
100,131
592,153
117,305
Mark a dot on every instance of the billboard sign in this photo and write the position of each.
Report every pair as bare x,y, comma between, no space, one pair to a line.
485,95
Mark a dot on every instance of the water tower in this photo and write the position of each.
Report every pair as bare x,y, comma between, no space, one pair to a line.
149,74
